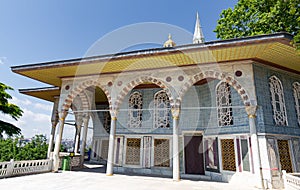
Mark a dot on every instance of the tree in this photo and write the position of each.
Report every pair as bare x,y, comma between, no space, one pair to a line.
255,17
20,149
11,109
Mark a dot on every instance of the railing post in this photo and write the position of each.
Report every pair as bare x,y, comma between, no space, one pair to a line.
284,179
10,168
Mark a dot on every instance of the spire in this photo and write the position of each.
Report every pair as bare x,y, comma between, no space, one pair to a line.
198,34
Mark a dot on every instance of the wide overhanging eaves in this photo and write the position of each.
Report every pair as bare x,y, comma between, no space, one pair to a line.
46,93
274,49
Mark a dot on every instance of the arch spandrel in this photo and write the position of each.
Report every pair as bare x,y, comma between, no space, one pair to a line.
121,92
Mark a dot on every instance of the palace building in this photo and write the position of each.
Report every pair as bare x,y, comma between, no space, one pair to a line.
226,110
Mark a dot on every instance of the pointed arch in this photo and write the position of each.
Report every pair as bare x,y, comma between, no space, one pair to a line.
162,110
296,89
78,89
277,101
220,76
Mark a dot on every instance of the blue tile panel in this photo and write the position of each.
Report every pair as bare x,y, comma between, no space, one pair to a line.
198,113
265,121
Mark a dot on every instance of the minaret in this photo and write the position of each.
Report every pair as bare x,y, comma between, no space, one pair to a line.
198,34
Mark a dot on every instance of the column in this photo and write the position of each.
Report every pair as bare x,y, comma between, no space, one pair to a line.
176,169
51,139
77,138
111,146
59,134
251,110
84,136
78,123
54,121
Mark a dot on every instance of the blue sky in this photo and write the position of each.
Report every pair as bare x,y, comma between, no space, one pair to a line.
35,31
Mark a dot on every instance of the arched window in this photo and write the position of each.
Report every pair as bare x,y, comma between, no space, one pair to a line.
135,110
223,94
161,110
296,86
277,99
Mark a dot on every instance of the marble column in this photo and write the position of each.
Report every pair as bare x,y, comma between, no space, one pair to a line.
51,139
176,168
111,146
79,122
59,134
84,136
54,121
251,111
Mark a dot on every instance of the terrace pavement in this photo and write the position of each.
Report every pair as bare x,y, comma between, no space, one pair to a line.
93,177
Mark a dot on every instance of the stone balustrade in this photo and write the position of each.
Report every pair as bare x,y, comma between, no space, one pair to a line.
16,168
291,180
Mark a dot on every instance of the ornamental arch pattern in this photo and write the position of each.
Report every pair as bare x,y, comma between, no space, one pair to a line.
78,89
141,80
220,76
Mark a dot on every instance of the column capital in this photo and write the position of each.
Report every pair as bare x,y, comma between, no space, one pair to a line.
62,114
175,113
251,111
113,113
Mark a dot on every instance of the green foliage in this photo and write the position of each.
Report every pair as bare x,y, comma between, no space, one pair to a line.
17,149
255,17
11,109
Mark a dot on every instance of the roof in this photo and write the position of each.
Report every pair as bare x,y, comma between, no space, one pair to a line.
273,49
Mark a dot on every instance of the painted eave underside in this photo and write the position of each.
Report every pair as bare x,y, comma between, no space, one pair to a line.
275,50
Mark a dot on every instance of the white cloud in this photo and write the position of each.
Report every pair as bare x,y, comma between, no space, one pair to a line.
25,103
43,106
36,119
31,123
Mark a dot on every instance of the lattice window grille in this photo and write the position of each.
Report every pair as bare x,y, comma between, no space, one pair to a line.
296,86
133,150
228,154
162,152
278,103
161,110
107,120
284,155
135,110
224,104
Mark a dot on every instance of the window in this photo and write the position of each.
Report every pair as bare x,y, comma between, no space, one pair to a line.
245,155
161,110
296,151
162,152
133,150
228,154
95,149
135,110
211,154
104,149
297,99
284,156
224,104
277,99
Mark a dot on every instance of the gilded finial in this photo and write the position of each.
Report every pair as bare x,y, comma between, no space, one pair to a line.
169,42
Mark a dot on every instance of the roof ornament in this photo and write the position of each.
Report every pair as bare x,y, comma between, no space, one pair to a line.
169,42
198,34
